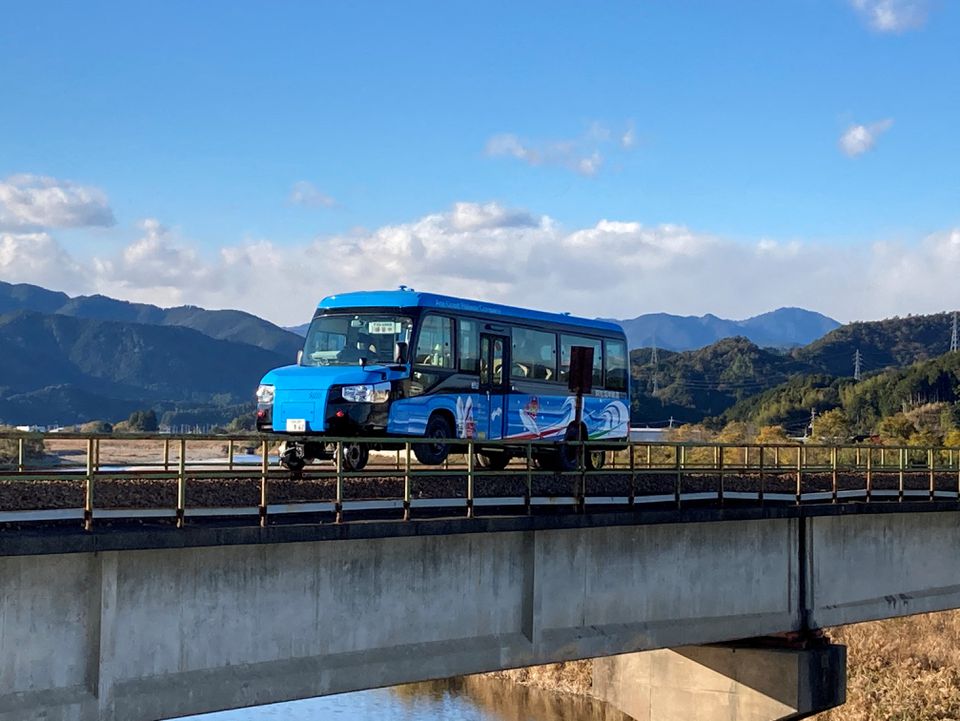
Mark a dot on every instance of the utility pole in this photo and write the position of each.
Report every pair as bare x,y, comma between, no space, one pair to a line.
813,419
857,358
953,336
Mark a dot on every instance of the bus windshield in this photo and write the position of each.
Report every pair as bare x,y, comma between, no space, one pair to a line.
346,338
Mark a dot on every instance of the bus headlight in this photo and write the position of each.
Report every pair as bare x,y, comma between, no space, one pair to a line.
265,394
367,393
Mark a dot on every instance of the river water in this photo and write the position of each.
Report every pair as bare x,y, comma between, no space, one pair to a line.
471,699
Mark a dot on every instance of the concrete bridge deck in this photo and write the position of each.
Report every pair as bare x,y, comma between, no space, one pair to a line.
155,622
145,578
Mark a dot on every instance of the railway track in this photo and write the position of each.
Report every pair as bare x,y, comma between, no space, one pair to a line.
193,479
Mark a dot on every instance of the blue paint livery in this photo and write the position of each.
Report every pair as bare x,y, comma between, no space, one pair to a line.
301,392
415,299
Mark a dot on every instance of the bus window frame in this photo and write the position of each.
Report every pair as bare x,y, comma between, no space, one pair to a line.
626,350
454,350
505,325
603,360
510,327
478,323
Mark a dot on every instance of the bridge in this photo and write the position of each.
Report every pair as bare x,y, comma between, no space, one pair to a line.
252,587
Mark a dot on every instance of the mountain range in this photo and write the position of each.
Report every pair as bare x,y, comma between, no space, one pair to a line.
231,325
697,385
782,328
73,359
69,360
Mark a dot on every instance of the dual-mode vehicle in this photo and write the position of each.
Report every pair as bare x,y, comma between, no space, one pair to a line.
386,364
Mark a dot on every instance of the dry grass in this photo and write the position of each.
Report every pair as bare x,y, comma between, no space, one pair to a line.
116,451
9,449
574,677
903,669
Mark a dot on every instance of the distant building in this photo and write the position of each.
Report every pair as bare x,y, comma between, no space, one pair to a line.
648,435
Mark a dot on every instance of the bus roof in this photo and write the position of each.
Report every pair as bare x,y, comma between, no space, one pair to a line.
415,299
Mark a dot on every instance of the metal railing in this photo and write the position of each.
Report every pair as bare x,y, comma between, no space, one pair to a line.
91,478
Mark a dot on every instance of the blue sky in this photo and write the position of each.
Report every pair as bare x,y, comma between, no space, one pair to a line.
724,119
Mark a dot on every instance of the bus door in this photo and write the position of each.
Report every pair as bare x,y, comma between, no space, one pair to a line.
494,383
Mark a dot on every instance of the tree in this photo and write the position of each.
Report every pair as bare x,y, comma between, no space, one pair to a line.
950,417
143,422
833,427
896,429
221,399
734,432
952,439
96,427
33,448
242,424
773,435
925,439
691,432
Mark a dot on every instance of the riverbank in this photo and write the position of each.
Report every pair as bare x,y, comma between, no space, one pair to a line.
905,668
902,668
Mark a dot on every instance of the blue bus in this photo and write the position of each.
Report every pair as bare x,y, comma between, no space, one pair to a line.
382,364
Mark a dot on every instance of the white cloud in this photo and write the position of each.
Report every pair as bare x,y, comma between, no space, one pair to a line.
38,258
155,268
474,216
488,251
584,155
34,202
892,16
306,193
510,144
858,139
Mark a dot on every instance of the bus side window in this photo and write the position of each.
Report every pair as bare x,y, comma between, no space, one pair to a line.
534,354
468,337
567,342
497,362
435,344
616,365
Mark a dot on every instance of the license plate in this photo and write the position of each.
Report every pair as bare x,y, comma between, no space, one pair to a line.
296,425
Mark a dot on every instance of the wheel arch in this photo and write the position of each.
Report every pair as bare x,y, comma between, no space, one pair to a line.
448,416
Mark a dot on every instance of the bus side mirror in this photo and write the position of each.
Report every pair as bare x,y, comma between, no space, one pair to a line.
299,356
400,352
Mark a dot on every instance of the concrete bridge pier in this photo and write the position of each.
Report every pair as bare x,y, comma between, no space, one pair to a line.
757,681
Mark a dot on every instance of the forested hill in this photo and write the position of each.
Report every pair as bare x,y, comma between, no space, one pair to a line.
895,342
232,325
913,391
696,384
767,386
55,367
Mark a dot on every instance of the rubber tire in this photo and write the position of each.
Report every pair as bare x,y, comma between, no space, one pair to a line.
495,461
596,460
354,456
293,462
566,459
434,454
